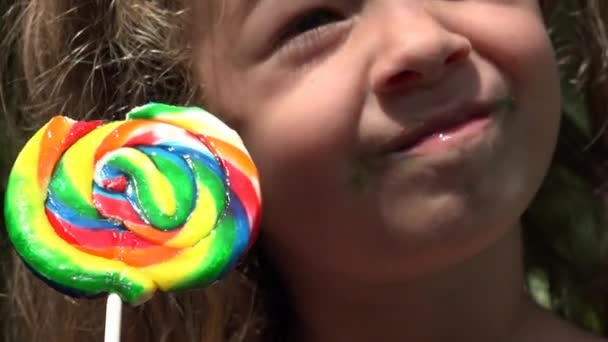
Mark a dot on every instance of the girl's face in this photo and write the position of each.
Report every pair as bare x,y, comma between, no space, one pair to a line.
392,136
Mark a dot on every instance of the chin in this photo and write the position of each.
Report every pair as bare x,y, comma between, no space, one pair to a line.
446,225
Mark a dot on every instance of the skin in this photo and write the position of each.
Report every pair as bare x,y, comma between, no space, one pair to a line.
374,243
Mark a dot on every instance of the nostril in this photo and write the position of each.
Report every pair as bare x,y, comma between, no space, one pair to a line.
457,56
406,76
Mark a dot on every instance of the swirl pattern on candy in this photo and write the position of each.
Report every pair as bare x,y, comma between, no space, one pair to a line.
167,200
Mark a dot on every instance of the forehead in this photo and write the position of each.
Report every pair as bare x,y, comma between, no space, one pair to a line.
221,21
241,8
232,10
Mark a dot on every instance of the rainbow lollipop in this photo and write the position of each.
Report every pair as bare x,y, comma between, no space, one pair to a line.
166,200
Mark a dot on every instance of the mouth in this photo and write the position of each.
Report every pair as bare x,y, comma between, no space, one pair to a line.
445,131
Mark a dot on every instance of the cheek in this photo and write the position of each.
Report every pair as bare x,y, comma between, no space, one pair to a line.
522,52
301,138
530,65
306,128
511,35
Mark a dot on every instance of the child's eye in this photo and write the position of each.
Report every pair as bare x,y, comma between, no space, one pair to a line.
310,32
311,20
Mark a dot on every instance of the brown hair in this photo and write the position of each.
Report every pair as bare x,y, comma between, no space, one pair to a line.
99,58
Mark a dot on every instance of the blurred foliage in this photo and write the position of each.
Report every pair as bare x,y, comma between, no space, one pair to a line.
566,233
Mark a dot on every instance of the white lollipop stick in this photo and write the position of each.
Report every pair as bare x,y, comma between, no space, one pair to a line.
113,318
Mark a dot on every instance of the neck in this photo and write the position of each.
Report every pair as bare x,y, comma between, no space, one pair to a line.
480,299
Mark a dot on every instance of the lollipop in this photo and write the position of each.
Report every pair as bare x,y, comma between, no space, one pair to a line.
166,200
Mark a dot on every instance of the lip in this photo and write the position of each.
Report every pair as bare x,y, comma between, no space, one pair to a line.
452,122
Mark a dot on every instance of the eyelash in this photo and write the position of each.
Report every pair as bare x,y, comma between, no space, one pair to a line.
309,30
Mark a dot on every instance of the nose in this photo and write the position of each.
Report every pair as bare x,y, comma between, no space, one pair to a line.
415,49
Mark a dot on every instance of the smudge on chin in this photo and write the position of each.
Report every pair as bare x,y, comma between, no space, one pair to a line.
358,175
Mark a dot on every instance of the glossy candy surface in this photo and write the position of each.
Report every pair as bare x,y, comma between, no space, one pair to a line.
166,200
